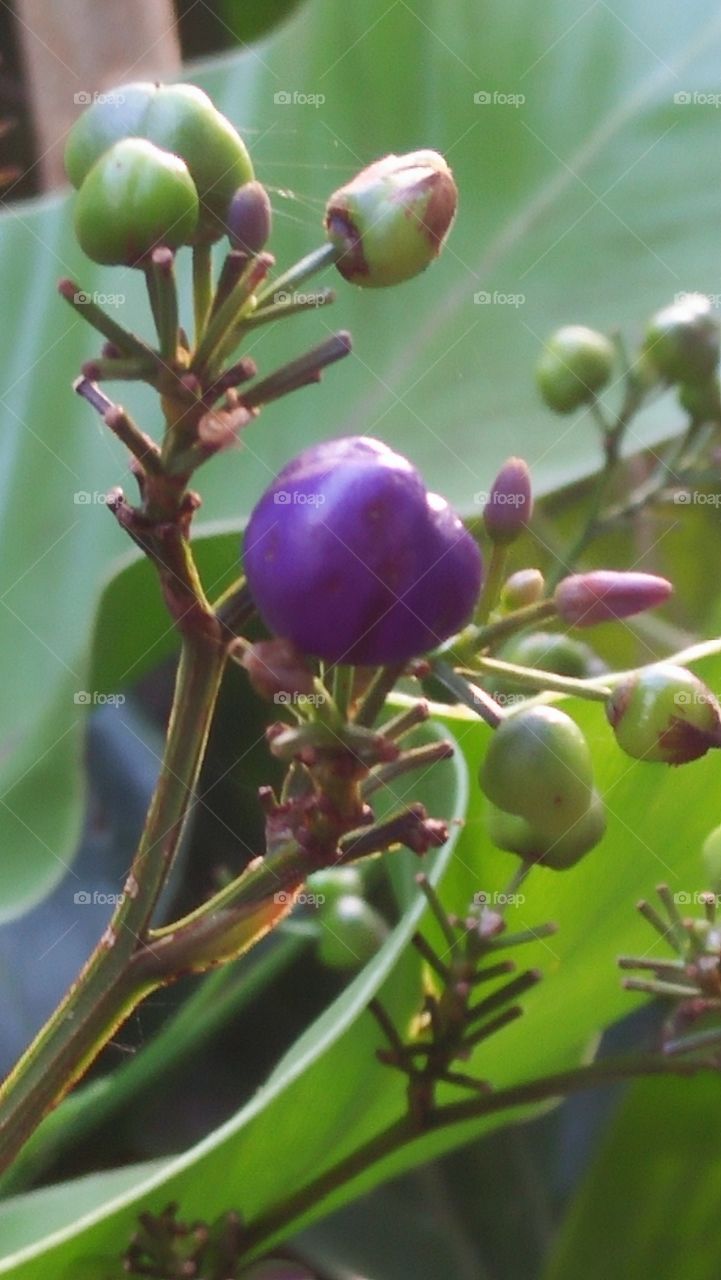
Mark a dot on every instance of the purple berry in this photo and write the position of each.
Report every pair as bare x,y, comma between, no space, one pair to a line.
350,557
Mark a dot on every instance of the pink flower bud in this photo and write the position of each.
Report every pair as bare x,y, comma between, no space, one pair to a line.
585,599
510,502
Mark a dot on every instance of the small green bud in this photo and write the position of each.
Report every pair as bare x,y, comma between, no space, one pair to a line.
548,651
135,198
351,932
510,502
524,587
682,340
664,713
538,766
517,835
336,882
391,220
575,365
701,400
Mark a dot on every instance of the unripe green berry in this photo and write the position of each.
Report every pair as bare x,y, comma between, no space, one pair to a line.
560,851
179,118
538,766
391,220
524,587
135,198
552,651
701,400
351,932
682,340
575,365
664,713
336,882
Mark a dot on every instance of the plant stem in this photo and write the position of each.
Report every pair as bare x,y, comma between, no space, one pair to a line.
221,994
535,679
277,1223
202,287
301,271
108,988
492,585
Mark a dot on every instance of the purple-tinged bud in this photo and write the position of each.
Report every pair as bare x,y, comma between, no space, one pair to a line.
390,221
277,670
605,595
524,587
510,502
249,218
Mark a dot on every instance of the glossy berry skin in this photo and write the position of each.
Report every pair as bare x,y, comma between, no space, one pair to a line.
682,341
664,714
135,198
575,365
390,222
559,851
538,767
179,118
349,556
351,932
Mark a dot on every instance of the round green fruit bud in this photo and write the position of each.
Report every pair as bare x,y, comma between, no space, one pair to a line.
682,341
351,932
524,587
560,851
665,714
538,766
179,118
391,220
552,651
336,882
135,198
575,365
701,400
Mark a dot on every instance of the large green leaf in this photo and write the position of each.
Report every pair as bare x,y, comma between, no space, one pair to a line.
650,1206
565,198
331,1094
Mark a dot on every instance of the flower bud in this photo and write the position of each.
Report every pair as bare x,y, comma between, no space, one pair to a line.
664,713
351,932
524,587
682,340
277,667
510,502
517,835
585,599
249,218
391,220
538,767
575,365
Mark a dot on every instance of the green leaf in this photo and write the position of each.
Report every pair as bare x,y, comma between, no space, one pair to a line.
564,199
650,1205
